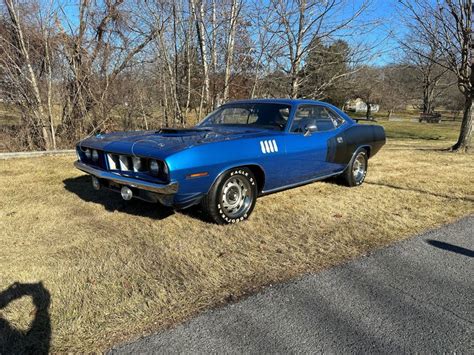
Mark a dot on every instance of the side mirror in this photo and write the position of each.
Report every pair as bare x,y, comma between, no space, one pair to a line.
310,129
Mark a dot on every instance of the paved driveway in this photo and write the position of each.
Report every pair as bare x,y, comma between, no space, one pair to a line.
416,296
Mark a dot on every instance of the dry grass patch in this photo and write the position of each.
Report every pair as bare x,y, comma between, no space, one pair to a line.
115,269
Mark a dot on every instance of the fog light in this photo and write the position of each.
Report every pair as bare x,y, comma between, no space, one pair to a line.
126,193
95,183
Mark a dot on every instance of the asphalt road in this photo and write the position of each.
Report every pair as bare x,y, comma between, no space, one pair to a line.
415,296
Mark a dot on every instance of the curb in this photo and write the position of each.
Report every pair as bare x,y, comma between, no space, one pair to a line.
35,154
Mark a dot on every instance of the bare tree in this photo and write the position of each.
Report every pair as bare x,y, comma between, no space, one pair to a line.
367,84
399,86
264,46
105,44
451,32
22,43
298,23
424,58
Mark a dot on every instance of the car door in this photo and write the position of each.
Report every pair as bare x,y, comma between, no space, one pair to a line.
313,126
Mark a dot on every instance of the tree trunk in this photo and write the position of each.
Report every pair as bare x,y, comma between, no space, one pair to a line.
464,140
176,90
50,91
367,114
198,12
214,54
188,65
165,101
295,83
426,101
429,87
230,47
296,60
201,103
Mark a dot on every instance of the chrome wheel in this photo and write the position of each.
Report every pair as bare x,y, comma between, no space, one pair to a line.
236,197
359,167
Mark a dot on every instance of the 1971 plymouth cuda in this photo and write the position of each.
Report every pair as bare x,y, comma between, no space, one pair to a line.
240,151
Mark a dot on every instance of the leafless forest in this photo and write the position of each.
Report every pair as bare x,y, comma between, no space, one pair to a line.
72,69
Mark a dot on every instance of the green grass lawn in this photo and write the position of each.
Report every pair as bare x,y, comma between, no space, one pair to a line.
402,130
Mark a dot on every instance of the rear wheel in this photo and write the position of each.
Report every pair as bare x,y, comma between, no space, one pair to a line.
355,173
232,197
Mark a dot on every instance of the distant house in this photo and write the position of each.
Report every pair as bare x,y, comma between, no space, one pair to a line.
358,105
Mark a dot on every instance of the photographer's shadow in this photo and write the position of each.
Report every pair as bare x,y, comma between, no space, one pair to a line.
36,339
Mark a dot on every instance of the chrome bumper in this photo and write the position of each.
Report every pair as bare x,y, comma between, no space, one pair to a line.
165,189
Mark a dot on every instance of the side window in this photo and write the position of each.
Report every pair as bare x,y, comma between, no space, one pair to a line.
336,119
323,119
303,117
314,115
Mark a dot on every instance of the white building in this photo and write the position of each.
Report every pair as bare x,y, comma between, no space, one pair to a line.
358,105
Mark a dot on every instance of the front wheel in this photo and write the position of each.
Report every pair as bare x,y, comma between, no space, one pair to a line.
232,197
355,173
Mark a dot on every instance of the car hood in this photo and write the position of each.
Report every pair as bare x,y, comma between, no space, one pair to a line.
166,141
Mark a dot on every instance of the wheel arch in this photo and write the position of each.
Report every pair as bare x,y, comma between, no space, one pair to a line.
366,147
256,170
259,174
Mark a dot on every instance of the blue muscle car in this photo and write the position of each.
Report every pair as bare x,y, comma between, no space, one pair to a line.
240,151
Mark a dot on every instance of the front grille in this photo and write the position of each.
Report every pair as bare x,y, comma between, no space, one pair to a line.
126,163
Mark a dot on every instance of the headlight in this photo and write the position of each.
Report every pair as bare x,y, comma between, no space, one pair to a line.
154,167
88,153
95,156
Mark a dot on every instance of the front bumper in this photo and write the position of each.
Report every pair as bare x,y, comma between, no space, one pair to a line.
163,189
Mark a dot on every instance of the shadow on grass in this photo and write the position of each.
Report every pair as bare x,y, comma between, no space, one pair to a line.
36,339
422,149
415,136
81,186
451,247
465,198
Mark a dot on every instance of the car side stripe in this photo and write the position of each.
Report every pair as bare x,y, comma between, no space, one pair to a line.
262,146
267,146
275,145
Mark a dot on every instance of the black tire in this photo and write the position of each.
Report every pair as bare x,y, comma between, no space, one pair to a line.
352,178
237,185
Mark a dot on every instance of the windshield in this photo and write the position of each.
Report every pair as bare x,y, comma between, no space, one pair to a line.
264,115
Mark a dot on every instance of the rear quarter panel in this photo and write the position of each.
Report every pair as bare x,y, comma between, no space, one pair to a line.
356,136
